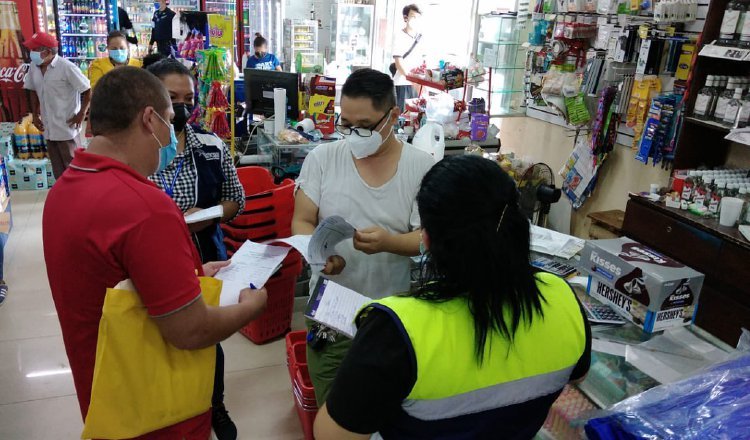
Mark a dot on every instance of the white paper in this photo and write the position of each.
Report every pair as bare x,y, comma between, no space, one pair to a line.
554,243
205,214
299,242
253,263
338,307
739,135
316,248
330,232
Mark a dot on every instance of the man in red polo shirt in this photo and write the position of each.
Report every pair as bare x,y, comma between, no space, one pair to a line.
105,222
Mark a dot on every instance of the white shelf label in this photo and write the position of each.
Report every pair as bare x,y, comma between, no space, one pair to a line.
724,52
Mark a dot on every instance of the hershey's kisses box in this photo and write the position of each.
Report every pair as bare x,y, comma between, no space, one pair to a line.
652,290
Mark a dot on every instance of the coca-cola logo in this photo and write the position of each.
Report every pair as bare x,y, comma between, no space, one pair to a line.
13,74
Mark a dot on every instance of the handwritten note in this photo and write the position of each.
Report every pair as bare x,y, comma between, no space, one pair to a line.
253,263
336,307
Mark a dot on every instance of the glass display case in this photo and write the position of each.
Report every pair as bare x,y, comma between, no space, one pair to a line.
354,34
140,13
300,41
498,47
264,17
82,27
46,9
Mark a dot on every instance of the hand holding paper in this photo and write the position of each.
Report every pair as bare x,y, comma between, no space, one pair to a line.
253,263
317,248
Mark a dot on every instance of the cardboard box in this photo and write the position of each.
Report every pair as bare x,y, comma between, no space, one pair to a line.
322,103
27,175
651,290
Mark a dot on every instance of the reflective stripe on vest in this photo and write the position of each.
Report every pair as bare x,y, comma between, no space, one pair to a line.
450,382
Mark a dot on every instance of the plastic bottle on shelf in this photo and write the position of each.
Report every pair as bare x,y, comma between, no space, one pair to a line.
733,108
723,100
36,142
744,118
730,23
703,100
90,51
21,139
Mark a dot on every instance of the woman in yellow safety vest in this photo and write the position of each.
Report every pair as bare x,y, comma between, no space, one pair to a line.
485,346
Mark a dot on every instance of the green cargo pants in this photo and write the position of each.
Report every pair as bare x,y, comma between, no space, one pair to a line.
323,363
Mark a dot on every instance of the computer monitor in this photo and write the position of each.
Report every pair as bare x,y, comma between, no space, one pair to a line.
259,85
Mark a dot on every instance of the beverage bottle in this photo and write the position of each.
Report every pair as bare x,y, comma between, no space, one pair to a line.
723,100
703,100
745,213
744,118
733,108
21,139
90,52
730,23
36,142
85,67
13,67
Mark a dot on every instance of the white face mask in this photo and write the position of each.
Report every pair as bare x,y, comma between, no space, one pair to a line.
363,147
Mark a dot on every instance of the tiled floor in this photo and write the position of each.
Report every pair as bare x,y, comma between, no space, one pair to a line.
37,398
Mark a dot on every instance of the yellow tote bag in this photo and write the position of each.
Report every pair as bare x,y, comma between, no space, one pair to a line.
141,382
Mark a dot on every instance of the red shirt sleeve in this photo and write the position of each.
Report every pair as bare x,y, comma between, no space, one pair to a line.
158,256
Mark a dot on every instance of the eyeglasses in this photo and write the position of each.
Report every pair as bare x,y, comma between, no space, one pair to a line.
361,132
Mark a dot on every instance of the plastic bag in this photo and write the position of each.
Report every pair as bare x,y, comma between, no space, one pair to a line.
440,108
431,139
714,404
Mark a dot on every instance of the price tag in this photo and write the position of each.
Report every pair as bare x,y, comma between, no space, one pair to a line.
671,31
728,53
643,31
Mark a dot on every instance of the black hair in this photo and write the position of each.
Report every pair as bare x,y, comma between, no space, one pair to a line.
132,89
259,40
116,34
152,58
409,8
373,84
168,66
479,246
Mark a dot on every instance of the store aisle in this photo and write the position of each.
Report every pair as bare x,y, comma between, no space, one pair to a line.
37,397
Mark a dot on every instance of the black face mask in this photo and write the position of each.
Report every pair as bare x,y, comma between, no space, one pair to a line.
181,115
260,55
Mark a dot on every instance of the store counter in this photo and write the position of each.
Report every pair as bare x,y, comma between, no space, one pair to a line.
625,362
273,152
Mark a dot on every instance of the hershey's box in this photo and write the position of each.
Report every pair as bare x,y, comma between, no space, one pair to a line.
652,290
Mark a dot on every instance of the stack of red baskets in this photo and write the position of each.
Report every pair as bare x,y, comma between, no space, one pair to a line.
267,215
302,388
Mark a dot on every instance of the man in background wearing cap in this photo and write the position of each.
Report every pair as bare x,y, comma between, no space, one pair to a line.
60,95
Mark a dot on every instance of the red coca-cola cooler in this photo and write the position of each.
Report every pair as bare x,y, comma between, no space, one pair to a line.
14,58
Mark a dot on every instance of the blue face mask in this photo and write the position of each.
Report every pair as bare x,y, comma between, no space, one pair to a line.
36,58
167,152
118,55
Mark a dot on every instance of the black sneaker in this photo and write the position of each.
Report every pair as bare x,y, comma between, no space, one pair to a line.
223,426
3,292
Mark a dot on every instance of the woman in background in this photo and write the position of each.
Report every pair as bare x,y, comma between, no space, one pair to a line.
486,345
119,55
202,175
261,59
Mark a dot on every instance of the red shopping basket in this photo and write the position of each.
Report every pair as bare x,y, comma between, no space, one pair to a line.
277,319
303,392
268,209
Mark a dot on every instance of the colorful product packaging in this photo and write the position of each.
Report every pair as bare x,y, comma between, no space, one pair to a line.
322,103
649,289
479,125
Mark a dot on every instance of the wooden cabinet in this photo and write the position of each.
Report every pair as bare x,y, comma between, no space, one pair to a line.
722,254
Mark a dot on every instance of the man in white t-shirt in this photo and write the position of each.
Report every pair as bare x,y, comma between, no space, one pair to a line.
371,179
406,54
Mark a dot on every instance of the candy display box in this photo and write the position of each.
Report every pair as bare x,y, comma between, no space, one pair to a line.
649,289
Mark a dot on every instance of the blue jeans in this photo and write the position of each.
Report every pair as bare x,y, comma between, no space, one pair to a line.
2,258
